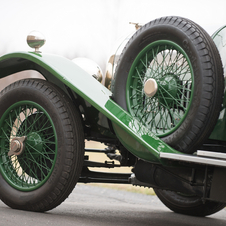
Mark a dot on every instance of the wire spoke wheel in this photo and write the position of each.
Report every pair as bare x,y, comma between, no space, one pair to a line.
166,63
42,145
32,167
169,77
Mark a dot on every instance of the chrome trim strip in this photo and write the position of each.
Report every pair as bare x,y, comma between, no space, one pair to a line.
193,158
211,154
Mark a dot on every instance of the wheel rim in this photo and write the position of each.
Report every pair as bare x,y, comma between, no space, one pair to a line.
31,168
168,64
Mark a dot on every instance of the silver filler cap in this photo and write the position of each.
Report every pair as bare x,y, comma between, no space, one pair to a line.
36,40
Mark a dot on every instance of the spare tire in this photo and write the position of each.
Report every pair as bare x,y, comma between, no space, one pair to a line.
169,76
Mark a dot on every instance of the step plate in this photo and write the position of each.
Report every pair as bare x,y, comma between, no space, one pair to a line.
207,160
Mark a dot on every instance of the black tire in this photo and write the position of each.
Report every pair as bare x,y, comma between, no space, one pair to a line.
188,205
46,171
185,117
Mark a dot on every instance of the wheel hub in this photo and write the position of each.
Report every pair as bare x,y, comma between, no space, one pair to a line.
165,87
168,88
34,139
17,146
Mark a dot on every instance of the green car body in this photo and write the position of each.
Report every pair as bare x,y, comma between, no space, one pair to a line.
59,70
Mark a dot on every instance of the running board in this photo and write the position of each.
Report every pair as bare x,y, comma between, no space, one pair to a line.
201,157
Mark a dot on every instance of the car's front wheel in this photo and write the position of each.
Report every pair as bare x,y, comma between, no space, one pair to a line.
42,145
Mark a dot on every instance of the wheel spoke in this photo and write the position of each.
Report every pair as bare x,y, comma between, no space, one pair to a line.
33,166
169,66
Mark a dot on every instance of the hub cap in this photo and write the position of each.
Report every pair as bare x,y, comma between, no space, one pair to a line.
150,87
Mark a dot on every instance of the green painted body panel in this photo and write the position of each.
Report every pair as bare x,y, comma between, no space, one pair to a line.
133,135
219,132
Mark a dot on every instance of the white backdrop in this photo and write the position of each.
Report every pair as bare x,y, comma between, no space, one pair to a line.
89,28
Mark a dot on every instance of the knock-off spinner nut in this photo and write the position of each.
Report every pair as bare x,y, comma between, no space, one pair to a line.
17,146
150,87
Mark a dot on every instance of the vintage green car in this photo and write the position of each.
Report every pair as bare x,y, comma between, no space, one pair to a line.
161,112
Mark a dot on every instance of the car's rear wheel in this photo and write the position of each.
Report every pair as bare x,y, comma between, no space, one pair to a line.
42,145
188,204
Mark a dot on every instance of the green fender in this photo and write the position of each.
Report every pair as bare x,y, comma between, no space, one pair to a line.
132,134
